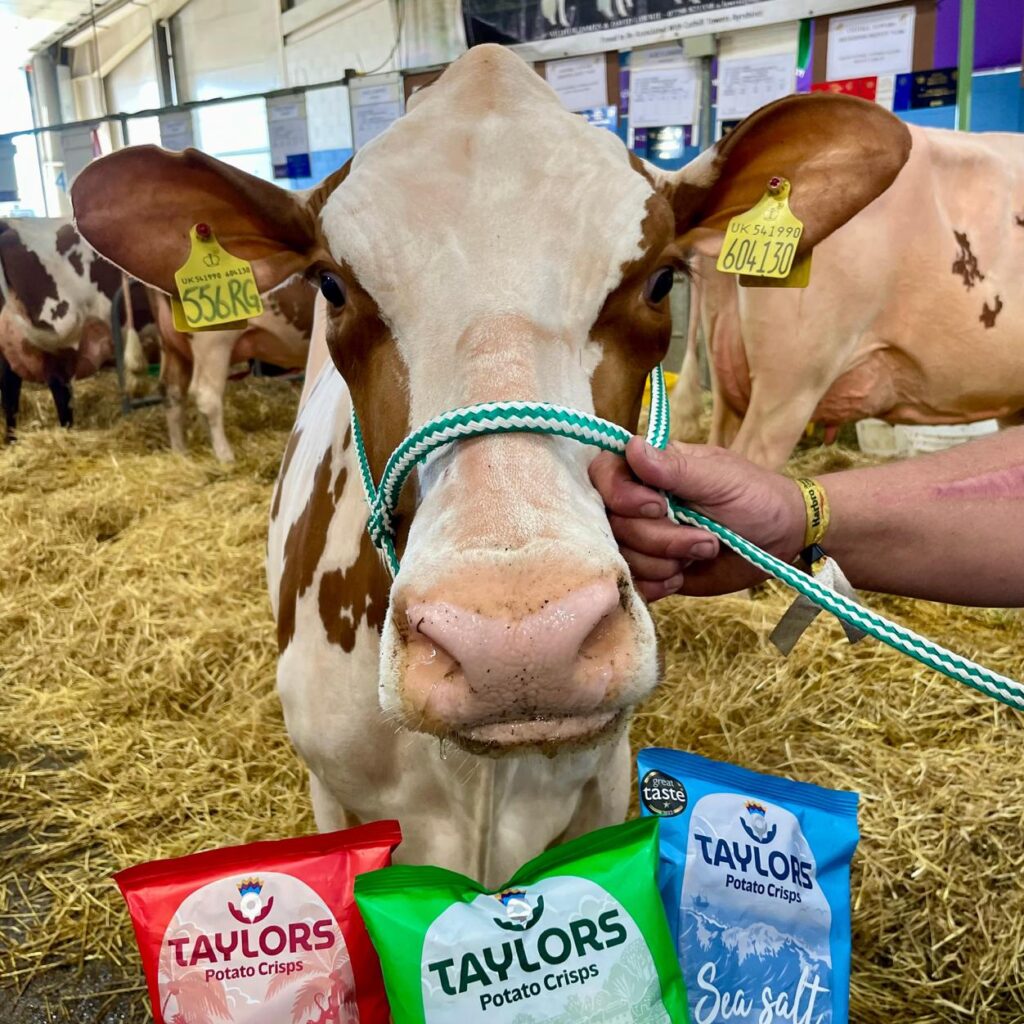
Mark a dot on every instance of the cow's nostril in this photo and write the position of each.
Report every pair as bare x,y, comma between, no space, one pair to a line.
483,663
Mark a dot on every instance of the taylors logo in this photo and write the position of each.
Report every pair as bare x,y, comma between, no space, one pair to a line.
251,909
553,946
755,858
193,949
520,914
756,824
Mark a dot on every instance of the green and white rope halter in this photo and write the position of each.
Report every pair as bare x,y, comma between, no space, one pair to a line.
540,418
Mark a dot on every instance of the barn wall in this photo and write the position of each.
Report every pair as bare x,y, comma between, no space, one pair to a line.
132,85
760,42
227,48
230,48
321,44
323,40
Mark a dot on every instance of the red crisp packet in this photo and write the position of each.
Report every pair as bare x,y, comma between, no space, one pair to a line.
266,933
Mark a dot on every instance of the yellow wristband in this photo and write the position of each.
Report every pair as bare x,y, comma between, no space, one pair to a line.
816,504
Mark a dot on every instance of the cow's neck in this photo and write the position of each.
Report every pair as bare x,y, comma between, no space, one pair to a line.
479,815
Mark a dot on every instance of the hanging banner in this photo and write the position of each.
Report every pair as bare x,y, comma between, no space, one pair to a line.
864,88
376,102
289,136
602,117
177,130
664,87
923,89
667,143
547,29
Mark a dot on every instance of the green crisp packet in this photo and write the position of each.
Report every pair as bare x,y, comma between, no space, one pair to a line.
577,936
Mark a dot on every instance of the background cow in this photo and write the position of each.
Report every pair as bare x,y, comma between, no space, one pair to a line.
489,245
199,364
913,313
55,302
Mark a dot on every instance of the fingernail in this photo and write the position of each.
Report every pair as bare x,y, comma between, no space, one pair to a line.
673,583
704,549
652,510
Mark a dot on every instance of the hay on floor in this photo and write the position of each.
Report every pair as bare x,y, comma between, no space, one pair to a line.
138,719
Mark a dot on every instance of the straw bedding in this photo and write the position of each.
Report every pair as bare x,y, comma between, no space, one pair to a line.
138,720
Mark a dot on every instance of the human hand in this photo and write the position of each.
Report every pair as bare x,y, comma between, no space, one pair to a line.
764,507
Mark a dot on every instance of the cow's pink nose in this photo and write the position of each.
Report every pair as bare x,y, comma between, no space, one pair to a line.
477,665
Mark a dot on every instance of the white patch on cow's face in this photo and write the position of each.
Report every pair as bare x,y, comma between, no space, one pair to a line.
490,225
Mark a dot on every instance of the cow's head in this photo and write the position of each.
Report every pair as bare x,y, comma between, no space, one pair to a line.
493,246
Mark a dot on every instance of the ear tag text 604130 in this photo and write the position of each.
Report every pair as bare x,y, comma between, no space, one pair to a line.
760,245
216,291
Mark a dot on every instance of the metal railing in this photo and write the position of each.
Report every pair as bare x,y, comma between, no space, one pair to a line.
123,118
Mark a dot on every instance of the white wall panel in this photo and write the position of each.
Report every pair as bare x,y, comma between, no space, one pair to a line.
230,48
360,36
132,84
227,48
758,42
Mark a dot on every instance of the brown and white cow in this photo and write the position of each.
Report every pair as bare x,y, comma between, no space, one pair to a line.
55,303
198,365
912,315
488,246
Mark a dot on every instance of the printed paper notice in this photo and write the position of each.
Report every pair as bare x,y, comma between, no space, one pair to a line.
746,83
289,136
376,103
872,43
176,130
885,91
581,82
664,88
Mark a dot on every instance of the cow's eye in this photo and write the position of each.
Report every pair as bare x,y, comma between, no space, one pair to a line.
659,284
332,289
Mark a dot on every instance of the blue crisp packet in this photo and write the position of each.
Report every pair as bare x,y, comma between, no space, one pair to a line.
755,875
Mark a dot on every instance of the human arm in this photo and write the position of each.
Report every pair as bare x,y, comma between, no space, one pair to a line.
945,527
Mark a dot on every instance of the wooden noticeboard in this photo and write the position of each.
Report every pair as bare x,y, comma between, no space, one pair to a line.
420,80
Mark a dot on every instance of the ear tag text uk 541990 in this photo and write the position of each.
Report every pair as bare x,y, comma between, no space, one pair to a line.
762,242
216,291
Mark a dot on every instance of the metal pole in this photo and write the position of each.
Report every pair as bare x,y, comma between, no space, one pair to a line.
29,84
965,66
117,338
707,125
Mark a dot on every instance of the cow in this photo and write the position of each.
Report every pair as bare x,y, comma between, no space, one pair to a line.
198,365
55,308
910,316
488,246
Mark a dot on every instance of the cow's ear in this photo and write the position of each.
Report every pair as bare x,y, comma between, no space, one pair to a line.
838,152
136,206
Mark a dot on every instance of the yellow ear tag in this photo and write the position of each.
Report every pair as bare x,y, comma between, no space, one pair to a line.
798,277
215,289
762,242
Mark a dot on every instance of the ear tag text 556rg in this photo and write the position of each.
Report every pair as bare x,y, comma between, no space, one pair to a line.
760,245
215,289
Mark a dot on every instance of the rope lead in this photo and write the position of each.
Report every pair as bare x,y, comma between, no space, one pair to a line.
555,420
